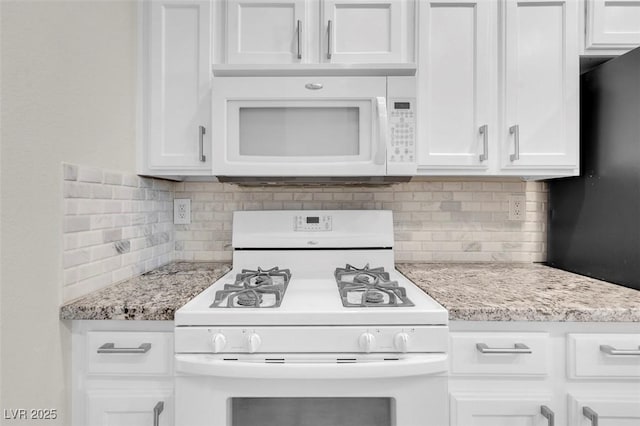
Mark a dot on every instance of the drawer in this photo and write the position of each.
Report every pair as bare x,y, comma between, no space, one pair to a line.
504,354
604,355
130,353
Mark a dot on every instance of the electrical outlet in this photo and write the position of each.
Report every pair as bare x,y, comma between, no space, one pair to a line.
182,211
517,207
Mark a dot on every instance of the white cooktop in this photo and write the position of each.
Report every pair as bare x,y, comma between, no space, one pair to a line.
312,296
312,244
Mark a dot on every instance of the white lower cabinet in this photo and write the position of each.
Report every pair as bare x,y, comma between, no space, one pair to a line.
122,373
129,407
501,373
544,373
604,410
502,409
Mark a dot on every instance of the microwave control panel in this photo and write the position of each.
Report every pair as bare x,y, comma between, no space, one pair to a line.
402,131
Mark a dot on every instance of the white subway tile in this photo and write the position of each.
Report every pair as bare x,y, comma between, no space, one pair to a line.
77,223
75,257
69,172
73,189
87,174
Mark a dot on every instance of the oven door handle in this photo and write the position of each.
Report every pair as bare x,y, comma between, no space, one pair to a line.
409,365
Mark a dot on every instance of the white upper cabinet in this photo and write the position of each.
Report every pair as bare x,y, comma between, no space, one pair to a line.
300,34
498,88
457,85
610,27
363,31
177,89
266,32
541,86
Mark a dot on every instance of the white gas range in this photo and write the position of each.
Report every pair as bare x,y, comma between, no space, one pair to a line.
313,326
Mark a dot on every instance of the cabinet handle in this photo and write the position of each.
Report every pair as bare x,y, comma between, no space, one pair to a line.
591,415
484,131
110,348
329,39
299,33
515,131
518,348
610,350
157,410
548,414
202,129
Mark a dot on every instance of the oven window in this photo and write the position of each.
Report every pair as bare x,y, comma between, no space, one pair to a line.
299,131
311,411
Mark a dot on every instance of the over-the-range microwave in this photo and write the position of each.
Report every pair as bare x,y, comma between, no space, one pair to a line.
314,126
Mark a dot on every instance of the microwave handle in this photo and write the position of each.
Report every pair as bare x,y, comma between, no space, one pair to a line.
383,130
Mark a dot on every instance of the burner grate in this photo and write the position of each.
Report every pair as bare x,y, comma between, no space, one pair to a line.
260,288
369,287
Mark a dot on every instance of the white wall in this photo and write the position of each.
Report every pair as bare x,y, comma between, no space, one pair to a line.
68,95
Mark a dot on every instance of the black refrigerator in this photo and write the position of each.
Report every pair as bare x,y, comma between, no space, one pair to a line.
594,219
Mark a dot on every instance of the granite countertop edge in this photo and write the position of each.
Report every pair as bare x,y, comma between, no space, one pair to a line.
469,291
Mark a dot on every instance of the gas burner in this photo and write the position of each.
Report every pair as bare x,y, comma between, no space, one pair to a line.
369,287
260,288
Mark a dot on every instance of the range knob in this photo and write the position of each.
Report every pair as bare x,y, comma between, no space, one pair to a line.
218,341
367,341
253,342
401,342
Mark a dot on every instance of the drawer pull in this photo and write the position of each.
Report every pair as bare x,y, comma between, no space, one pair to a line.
591,415
548,414
109,348
157,410
518,348
610,350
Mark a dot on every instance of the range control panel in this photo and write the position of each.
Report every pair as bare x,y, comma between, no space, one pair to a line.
402,131
304,223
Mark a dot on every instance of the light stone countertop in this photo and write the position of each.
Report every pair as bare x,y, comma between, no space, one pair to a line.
469,291
522,292
155,295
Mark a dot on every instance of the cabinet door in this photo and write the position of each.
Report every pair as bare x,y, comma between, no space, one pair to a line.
612,26
612,410
541,85
179,103
266,31
363,31
456,84
498,410
121,407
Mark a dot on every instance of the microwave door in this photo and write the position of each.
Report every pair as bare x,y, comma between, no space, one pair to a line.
306,137
299,126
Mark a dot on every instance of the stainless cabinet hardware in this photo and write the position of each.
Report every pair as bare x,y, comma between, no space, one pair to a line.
299,31
109,348
610,350
157,410
515,131
548,414
329,39
314,86
591,415
518,348
203,158
484,131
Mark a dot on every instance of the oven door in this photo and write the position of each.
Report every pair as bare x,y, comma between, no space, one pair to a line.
299,126
318,390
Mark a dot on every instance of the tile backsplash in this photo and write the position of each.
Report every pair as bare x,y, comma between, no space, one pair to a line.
118,225
435,220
